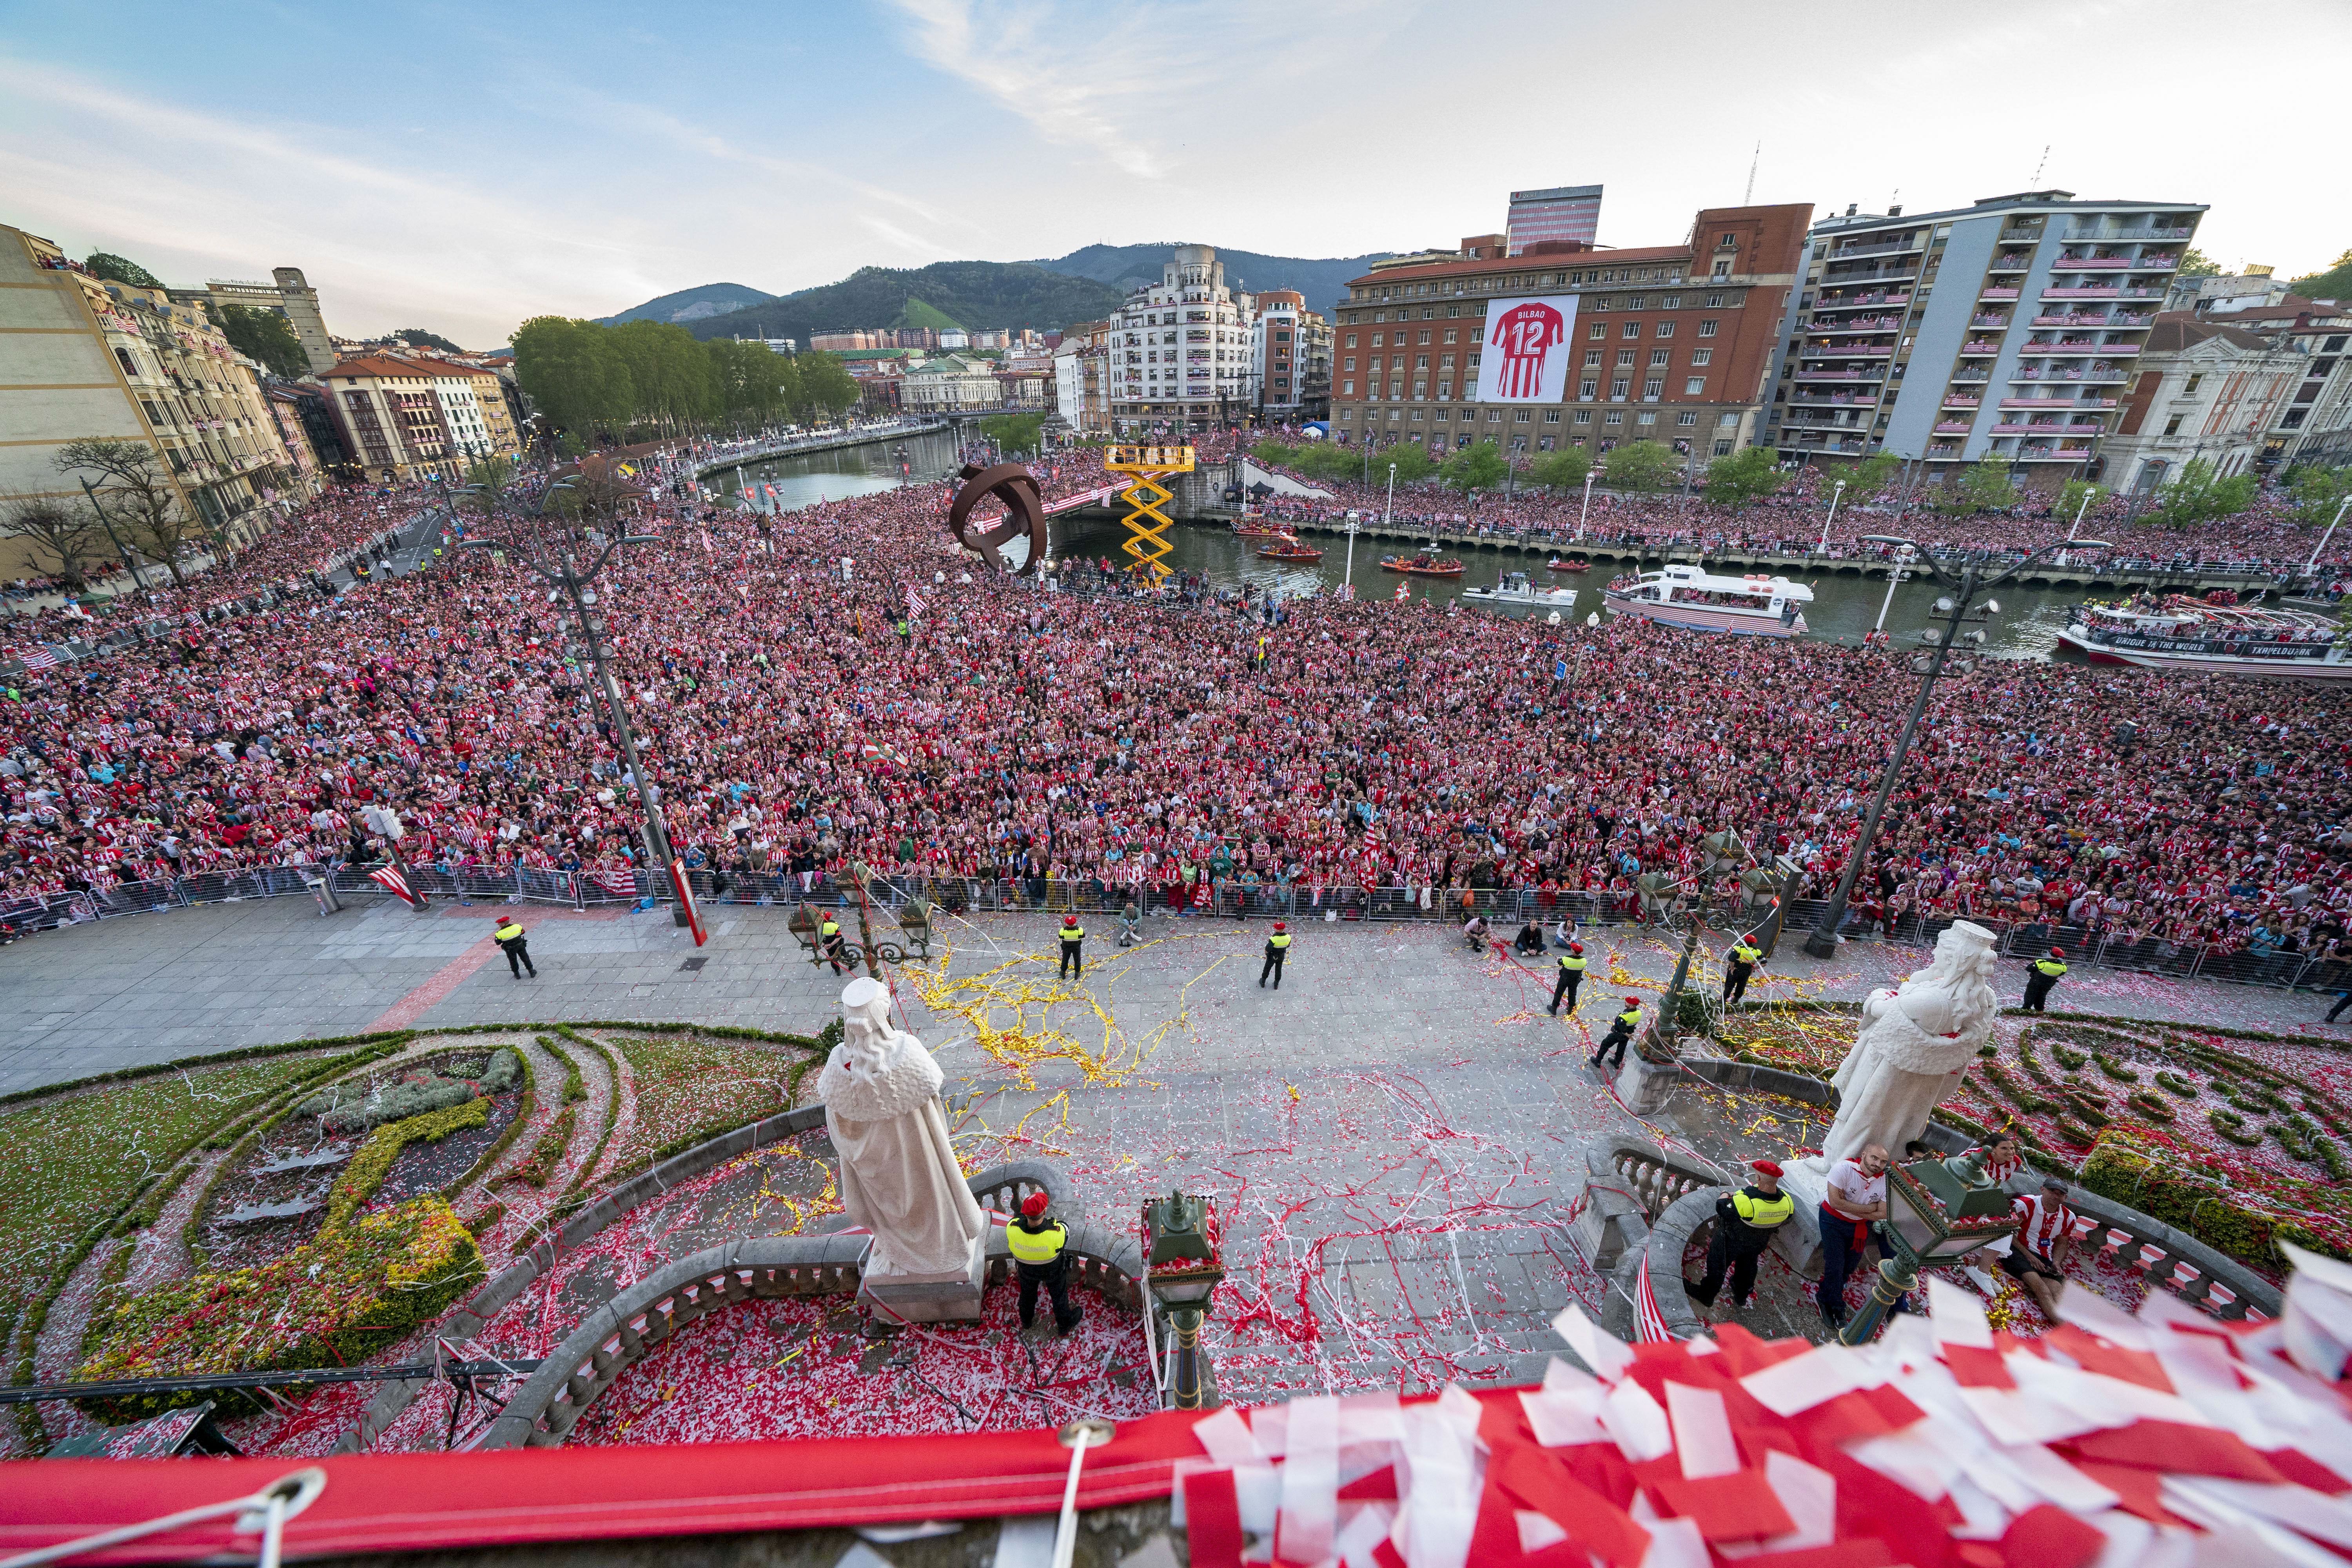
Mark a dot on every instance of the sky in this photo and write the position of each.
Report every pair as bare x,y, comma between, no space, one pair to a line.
461,168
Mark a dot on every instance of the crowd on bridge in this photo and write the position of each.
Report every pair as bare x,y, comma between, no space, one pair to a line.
913,712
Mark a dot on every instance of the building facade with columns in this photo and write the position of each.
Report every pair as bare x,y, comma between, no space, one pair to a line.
1179,348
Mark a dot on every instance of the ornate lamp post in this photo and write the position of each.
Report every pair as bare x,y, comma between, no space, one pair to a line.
1835,492
1929,665
1182,1264
1938,1212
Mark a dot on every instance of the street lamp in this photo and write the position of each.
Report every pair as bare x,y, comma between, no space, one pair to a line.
1347,579
1585,511
561,570
2310,570
1182,1264
1937,1213
2090,494
129,560
1388,506
1955,608
1835,492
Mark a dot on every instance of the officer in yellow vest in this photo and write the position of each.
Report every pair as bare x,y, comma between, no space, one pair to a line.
1277,947
1073,933
829,944
1040,1258
1744,1224
1571,976
512,942
1621,1032
1738,965
2041,975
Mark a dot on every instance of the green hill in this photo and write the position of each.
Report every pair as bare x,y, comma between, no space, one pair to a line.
919,314
1321,281
691,304
947,293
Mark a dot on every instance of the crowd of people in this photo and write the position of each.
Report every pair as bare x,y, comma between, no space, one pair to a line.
842,683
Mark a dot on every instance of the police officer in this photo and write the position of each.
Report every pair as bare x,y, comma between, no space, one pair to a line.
2041,975
1621,1032
511,940
1738,965
829,944
1277,947
1571,976
1039,1257
1744,1224
1073,933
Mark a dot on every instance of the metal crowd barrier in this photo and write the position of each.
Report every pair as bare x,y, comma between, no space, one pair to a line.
994,894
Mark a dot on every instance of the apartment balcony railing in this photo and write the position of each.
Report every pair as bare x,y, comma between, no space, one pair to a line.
1880,247
2058,346
1962,400
2024,234
1943,451
2049,427
2018,262
2096,291
2094,375
2104,262
1981,346
1833,401
1955,428
2052,454
2126,235
1840,375
1995,323
1972,375
1999,291
1859,324
1846,351
1856,448
2057,402
1852,301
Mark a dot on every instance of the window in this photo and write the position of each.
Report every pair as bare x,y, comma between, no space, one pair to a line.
1443,415
1647,419
130,365
1614,417
1715,301
1701,356
1584,415
1347,389
1494,417
1424,334
1586,389
1591,359
1453,310
1665,330
1659,358
1706,329
2190,387
1725,421
1600,330
1625,359
1450,334
1729,239
1723,448
1687,417
1421,361
1654,389
1617,388
2172,425
1376,339
1633,329
1349,362
1522,416
1693,387
1670,303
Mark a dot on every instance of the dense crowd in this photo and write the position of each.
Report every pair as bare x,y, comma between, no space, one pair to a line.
911,711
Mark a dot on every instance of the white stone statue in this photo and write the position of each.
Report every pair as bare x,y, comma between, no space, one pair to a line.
1913,1045
898,1174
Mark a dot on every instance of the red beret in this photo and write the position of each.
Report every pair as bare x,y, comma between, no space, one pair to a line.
1278,925
1633,1001
1069,920
1764,1167
1034,1205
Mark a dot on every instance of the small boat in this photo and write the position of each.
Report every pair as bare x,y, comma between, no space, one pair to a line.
2208,638
1249,527
1516,588
1423,564
1287,549
1688,597
1573,563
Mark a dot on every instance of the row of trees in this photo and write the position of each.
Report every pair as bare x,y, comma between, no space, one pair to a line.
654,377
136,511
1637,467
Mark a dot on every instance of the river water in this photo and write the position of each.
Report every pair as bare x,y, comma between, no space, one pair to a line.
1843,608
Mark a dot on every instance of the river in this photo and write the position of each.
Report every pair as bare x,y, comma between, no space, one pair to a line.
1843,610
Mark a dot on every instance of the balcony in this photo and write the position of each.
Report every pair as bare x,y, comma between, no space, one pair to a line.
1880,247
1971,376
1833,401
1955,428
2015,261
2001,293
2102,261
2058,346
2126,235
1989,323
2050,429
2052,453
1844,350
1853,301
1840,375
1859,324
1940,453
2057,402
2022,233
1981,346
2097,375
2067,320
2084,291
1962,400
1856,448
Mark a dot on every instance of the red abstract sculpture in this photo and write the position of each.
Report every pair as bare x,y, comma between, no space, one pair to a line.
1024,517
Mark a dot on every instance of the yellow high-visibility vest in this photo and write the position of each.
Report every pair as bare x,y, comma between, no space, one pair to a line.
1278,942
1762,1213
1036,1247
1073,933
1572,962
1629,1017
508,932
2049,968
830,929
1745,954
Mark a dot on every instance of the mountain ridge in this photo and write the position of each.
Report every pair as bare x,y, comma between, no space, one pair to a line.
689,304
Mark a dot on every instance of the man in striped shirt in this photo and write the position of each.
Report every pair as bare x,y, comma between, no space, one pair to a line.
2037,1254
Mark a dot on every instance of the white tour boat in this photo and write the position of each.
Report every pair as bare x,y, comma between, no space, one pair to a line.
2181,633
1517,588
1688,597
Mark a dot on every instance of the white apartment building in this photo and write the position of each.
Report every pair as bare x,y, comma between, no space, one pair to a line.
470,433
2205,390
1181,348
2007,329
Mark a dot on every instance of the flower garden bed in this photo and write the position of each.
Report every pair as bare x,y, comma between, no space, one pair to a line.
695,1083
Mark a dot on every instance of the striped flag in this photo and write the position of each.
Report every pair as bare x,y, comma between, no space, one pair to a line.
389,879
624,882
38,658
1649,1323
914,601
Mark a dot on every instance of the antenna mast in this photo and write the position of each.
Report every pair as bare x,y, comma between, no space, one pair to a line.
1750,199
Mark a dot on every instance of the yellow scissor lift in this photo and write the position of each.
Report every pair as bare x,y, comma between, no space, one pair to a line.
1146,525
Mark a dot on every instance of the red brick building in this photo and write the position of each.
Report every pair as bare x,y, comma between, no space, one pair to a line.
1671,343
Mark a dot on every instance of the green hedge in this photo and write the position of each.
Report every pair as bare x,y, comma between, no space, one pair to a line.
373,1162
2124,1172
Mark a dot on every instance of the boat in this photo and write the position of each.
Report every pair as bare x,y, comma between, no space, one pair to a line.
1288,549
1573,563
1253,527
1517,589
2176,632
1689,596
1425,563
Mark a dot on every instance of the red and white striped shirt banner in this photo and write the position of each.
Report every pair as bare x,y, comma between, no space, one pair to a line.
1649,1323
389,879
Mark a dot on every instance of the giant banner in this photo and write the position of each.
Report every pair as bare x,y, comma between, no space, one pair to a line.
1527,350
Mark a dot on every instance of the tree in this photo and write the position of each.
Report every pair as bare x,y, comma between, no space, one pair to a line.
1870,478
1478,468
1561,470
59,536
1641,465
417,337
2200,493
572,370
1986,486
488,480
1014,432
2073,494
2318,493
2335,283
119,269
137,494
1747,475
1412,459
825,387
749,380
668,371
1326,461
264,336
2195,263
